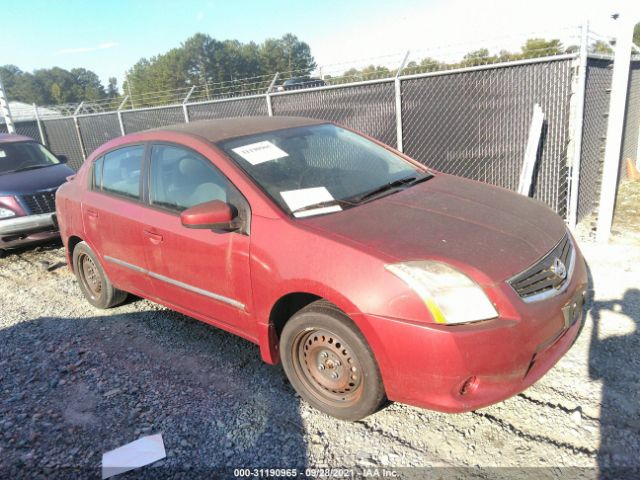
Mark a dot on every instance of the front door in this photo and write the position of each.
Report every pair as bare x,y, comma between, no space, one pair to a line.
204,272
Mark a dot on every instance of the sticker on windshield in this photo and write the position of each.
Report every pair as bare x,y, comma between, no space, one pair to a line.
3,154
260,152
306,197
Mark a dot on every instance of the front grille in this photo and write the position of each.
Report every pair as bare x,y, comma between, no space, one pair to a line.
544,278
40,202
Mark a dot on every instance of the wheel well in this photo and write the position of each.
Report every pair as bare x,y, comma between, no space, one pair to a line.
287,306
71,244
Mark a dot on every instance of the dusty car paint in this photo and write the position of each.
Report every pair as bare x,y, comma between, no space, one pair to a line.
243,282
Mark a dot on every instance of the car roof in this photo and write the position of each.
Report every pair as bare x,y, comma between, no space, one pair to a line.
227,128
12,138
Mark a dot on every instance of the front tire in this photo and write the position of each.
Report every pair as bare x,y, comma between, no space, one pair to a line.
328,362
93,281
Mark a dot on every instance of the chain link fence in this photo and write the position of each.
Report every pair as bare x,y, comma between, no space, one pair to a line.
472,121
594,134
243,107
61,136
476,123
27,128
155,117
632,120
98,129
369,107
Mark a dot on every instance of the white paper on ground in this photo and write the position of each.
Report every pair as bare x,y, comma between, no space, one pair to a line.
304,197
136,454
260,152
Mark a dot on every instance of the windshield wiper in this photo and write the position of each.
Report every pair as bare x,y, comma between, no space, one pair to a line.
326,203
391,186
32,167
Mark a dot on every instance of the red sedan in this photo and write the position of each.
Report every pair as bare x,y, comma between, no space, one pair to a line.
368,275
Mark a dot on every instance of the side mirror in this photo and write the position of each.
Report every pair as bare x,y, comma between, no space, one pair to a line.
213,215
62,158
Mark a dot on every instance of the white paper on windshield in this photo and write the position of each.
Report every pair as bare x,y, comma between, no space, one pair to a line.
304,197
260,152
3,154
136,454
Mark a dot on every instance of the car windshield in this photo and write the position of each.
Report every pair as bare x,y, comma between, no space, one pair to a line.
20,156
320,169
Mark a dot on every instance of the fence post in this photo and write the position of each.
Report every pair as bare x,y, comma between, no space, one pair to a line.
43,140
577,118
119,113
184,104
75,121
637,49
398,91
268,94
615,124
5,110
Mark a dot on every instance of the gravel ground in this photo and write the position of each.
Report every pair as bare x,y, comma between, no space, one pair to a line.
76,382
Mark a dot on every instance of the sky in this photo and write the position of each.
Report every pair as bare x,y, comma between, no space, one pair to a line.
108,37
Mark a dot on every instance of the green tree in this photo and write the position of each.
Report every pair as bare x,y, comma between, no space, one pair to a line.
478,57
217,66
601,47
88,86
112,88
540,47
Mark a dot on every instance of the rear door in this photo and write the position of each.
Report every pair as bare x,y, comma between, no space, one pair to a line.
204,272
113,216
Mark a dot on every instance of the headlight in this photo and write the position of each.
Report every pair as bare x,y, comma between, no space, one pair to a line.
6,213
450,295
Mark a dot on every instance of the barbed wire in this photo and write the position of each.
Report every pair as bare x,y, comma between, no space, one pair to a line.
432,59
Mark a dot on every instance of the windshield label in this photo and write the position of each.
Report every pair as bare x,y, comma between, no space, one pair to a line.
2,154
304,197
260,152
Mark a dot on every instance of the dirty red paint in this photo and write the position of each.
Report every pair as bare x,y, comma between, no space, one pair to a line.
486,232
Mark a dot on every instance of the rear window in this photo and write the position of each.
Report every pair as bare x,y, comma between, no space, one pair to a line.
119,172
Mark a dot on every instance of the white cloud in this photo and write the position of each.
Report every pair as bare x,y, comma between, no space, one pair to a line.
200,16
102,46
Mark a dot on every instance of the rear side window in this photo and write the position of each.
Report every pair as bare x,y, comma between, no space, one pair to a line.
119,172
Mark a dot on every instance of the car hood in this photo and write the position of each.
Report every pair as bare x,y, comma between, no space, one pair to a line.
33,180
449,218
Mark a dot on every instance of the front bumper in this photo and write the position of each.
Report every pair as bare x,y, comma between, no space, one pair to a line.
466,367
27,229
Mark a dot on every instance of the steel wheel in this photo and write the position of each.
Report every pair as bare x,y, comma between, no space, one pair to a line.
329,363
94,283
90,276
328,367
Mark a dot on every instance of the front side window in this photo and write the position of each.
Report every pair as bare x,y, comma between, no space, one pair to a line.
120,171
21,156
320,165
180,178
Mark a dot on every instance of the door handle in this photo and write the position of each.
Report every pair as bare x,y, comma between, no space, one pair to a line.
154,237
92,213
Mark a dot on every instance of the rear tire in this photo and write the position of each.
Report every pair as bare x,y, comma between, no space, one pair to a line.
93,281
328,362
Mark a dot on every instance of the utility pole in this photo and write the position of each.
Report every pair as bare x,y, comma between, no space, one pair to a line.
615,125
4,109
